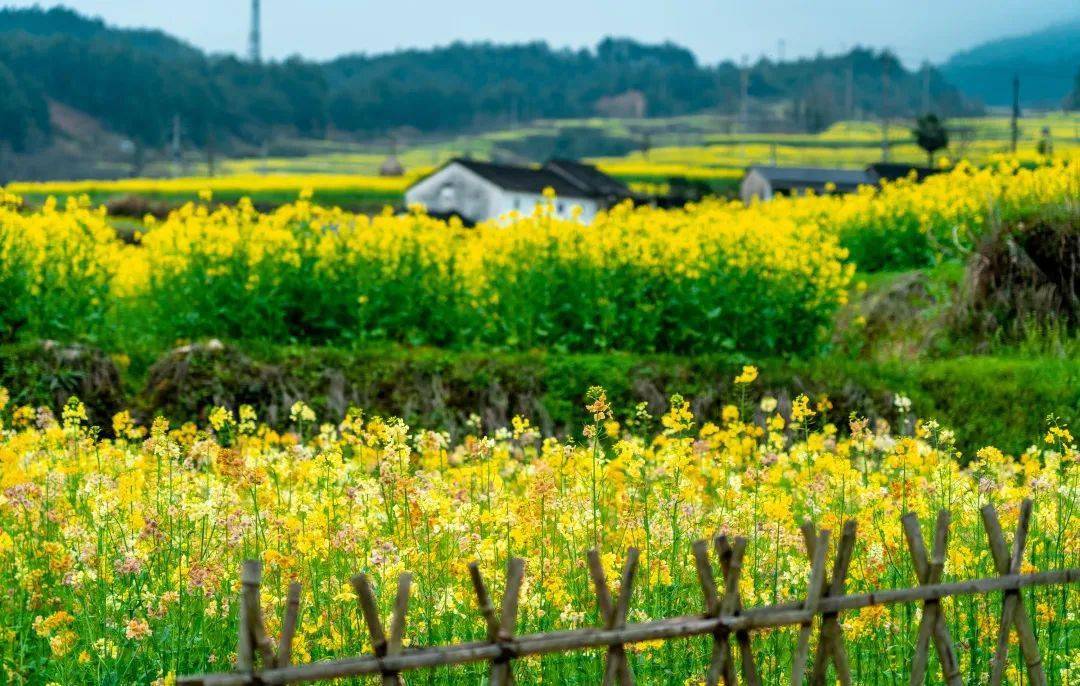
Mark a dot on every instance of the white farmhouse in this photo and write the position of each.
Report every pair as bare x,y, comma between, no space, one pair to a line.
479,191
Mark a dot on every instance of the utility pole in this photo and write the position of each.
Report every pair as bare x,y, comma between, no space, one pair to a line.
176,156
254,38
926,87
264,153
137,158
211,142
1015,128
884,109
744,92
849,90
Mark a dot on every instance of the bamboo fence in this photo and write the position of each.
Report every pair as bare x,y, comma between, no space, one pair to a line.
724,617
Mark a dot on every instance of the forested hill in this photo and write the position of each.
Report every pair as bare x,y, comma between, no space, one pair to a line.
462,85
133,82
1047,63
62,23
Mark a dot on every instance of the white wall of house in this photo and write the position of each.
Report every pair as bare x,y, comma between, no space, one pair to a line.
525,203
455,188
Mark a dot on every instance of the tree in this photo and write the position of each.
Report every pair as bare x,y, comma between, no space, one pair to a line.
14,122
930,135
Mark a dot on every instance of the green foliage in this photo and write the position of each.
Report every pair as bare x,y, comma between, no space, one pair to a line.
307,293
286,278
986,400
65,23
942,219
890,242
991,400
931,135
47,374
134,81
53,284
16,284
23,113
1023,278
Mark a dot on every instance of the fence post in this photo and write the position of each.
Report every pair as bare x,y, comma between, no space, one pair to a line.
939,630
288,625
245,651
380,645
831,639
251,582
720,664
731,568
724,615
1013,613
817,550
500,627
484,601
613,614
932,614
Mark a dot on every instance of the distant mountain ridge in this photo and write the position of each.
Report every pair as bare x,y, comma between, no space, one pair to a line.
1045,61
136,81
62,22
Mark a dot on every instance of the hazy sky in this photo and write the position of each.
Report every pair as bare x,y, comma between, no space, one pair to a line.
713,29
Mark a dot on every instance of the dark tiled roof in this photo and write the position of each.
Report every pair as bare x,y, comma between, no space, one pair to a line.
524,179
892,172
588,178
814,177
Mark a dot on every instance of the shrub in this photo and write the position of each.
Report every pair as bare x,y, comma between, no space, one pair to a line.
685,281
986,399
1025,273
57,270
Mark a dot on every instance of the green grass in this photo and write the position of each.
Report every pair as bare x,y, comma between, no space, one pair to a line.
986,399
350,199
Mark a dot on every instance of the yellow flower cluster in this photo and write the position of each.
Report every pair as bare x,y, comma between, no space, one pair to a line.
205,187
630,280
124,553
845,144
712,276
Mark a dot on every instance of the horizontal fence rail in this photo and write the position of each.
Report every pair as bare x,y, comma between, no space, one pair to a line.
724,617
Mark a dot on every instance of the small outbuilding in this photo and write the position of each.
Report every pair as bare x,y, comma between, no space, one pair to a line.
391,166
763,182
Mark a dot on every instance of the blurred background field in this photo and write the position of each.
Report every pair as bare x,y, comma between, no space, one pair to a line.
679,149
